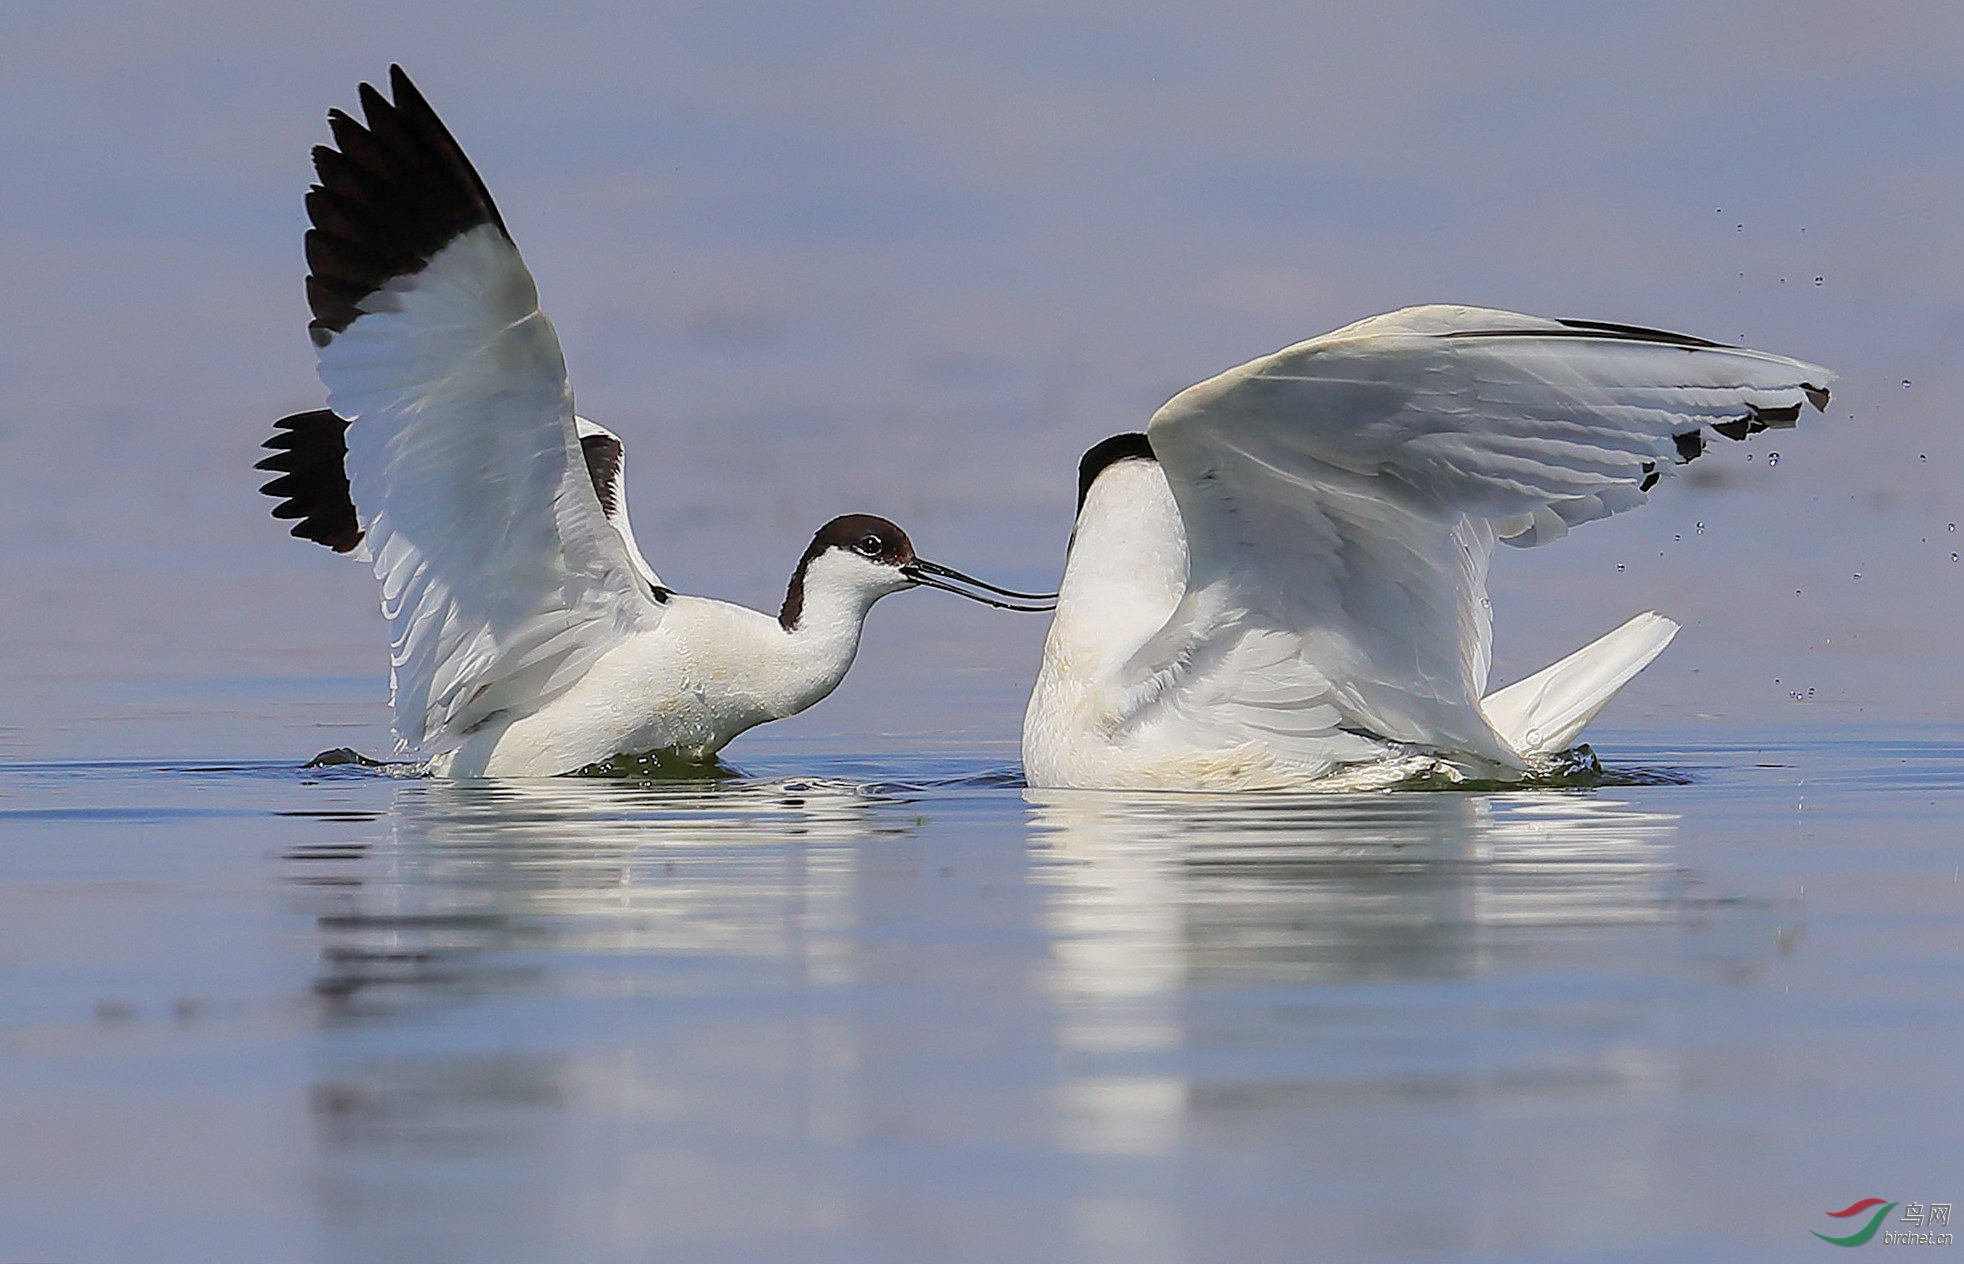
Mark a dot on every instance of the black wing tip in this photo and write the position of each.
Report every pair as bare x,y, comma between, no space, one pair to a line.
395,189
1102,455
309,454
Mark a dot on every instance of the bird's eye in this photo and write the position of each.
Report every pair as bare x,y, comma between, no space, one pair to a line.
870,546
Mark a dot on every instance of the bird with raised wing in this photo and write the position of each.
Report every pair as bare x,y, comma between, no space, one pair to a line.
530,637
1283,582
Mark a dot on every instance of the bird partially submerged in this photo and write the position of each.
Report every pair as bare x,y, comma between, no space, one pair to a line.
530,637
1283,582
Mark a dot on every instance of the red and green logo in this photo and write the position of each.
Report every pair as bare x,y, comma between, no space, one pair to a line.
1864,1233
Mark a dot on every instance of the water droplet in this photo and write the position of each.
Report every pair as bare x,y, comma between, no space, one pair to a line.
1749,456
1817,280
1676,536
1619,568
1810,691
1905,383
1953,557
1858,574
1796,592
1772,458
1922,456
1742,228
1701,528
1953,526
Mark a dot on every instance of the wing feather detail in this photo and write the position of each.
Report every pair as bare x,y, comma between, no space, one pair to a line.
1345,495
502,579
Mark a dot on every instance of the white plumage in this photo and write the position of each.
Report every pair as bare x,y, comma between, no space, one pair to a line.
502,580
529,636
1294,591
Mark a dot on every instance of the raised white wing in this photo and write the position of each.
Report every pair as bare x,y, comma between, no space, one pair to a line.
1341,499
502,579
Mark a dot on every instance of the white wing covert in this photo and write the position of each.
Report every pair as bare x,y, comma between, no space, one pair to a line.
502,577
1342,498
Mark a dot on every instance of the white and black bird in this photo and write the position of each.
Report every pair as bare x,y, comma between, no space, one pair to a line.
1283,582
530,637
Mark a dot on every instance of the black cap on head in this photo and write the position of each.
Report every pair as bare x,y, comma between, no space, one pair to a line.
871,537
863,535
1120,447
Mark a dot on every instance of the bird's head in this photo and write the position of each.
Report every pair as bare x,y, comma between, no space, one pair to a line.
862,558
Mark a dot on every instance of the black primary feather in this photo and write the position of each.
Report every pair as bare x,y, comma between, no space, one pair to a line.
391,195
310,455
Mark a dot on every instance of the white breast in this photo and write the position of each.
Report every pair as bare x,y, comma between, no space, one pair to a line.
707,673
1125,575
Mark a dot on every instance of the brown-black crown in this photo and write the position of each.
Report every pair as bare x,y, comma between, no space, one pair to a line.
863,535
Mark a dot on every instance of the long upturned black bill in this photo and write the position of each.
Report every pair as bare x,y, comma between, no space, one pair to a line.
934,575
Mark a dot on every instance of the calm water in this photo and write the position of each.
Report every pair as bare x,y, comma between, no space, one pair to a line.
902,1009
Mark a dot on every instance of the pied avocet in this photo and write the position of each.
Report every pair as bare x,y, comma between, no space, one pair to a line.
1283,582
530,637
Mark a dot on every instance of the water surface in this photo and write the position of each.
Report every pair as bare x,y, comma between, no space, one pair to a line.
899,1008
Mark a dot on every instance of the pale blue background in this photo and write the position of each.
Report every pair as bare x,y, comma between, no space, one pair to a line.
913,259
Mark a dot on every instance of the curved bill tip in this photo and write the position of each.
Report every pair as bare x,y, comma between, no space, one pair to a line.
934,575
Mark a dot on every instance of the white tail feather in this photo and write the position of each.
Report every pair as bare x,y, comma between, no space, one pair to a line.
1545,711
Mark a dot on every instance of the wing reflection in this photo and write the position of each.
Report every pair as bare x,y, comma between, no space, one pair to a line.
1165,889
473,873
1172,916
757,1009
515,973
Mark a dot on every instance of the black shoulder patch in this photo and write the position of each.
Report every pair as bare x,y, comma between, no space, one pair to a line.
310,453
603,466
1635,333
1108,452
1595,329
391,195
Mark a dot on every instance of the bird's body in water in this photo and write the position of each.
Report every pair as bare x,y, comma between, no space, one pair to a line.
705,672
530,637
1282,583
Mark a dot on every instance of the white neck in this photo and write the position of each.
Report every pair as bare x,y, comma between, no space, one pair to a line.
818,649
1126,572
1124,578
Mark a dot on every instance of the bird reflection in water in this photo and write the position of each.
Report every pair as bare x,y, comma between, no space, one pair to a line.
1234,951
724,1001
512,973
